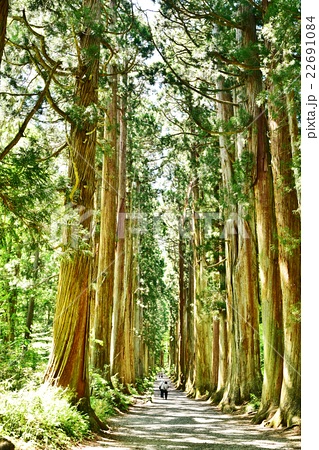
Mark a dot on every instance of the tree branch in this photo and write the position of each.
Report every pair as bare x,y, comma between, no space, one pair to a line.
19,135
56,153
187,83
55,107
217,18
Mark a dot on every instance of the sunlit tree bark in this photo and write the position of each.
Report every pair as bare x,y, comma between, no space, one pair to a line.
68,364
105,274
123,312
288,225
182,314
266,230
241,278
202,314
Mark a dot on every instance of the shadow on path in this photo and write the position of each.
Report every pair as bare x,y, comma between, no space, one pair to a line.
183,423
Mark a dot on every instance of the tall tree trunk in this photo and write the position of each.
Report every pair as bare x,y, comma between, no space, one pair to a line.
185,329
292,110
182,313
31,303
190,336
222,333
139,345
244,375
283,147
129,286
223,357
269,278
288,225
122,362
202,314
105,278
95,246
227,157
215,354
140,350
68,364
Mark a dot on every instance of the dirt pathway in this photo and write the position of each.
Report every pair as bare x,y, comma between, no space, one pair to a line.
183,423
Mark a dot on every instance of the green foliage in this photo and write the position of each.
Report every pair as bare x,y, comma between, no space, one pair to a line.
42,416
24,277
219,305
254,403
289,242
107,398
295,313
242,178
19,364
145,385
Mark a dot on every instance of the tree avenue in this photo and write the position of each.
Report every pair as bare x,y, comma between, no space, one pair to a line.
150,200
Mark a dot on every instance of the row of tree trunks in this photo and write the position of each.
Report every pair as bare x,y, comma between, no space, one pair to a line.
243,361
69,362
227,156
202,313
288,226
267,243
108,223
112,350
182,322
139,345
185,340
122,363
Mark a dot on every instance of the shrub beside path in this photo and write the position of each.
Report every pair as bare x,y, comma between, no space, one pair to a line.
183,423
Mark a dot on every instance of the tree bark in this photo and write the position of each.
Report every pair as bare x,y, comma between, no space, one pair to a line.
283,147
266,230
182,322
69,360
185,329
202,314
31,304
288,225
4,11
105,279
122,343
223,357
215,354
244,375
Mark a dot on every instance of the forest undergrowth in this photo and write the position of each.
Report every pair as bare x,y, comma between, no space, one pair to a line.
38,416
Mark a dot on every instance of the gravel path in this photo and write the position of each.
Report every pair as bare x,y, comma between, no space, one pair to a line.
183,423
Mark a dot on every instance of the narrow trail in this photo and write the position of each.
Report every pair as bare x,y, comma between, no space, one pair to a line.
183,423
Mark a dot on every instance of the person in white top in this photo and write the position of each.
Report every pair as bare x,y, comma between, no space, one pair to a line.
164,389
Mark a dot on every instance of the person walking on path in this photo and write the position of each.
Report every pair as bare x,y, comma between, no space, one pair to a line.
161,388
165,389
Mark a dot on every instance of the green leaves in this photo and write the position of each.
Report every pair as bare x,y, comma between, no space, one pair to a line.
43,415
